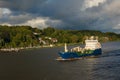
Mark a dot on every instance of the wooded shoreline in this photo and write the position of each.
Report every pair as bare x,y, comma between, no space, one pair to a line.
16,38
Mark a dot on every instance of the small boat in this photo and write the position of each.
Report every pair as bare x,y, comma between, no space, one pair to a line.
92,48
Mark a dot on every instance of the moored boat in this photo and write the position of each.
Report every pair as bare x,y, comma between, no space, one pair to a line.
92,48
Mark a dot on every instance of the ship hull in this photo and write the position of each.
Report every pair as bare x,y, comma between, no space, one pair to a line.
72,55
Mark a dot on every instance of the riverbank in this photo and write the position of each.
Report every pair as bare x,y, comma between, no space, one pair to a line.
23,48
16,49
44,46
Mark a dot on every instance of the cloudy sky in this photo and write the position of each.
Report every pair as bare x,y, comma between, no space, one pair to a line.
101,15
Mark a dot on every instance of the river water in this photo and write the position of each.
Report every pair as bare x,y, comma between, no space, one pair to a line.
40,64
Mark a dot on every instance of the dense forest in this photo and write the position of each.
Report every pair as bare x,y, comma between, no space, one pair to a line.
26,36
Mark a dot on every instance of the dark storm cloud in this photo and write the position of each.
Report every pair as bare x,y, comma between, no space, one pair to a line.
72,14
21,5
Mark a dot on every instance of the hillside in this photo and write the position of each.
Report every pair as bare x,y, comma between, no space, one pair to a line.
26,36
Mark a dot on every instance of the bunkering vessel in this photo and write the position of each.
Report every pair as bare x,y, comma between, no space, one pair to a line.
92,48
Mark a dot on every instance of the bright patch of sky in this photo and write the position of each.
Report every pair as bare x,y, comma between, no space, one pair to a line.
117,27
4,12
92,3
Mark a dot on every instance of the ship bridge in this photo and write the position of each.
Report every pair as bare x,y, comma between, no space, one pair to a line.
92,44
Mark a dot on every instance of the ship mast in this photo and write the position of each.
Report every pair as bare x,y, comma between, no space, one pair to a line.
66,50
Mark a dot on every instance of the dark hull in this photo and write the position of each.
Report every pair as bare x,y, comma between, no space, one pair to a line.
69,55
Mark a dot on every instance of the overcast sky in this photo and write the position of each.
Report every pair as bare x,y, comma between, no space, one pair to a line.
101,15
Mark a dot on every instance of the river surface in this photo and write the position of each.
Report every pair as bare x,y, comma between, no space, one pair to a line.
40,64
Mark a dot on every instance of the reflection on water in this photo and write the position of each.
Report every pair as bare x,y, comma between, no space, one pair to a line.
40,64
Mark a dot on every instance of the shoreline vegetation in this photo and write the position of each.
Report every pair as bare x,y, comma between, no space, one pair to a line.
17,38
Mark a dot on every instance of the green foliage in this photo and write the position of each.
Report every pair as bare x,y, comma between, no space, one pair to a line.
26,36
78,36
17,36
48,31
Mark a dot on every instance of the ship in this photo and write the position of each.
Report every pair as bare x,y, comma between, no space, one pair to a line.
92,48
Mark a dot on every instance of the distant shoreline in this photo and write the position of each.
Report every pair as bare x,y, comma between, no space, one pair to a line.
37,47
34,47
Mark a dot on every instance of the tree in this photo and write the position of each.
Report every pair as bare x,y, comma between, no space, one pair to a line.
48,31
